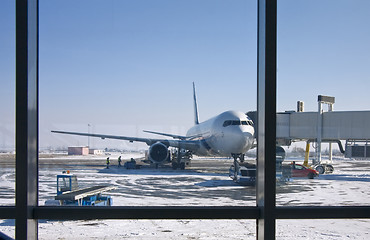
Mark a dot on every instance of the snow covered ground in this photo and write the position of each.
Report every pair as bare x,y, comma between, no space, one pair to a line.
205,183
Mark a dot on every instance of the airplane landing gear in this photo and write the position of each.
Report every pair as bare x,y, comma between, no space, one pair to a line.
176,165
238,155
236,164
180,159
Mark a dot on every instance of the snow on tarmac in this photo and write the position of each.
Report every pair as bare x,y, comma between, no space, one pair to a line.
205,183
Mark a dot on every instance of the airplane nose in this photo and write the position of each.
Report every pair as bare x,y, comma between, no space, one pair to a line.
246,137
240,140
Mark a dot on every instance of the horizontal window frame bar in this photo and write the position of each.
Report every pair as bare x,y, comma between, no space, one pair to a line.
7,212
323,212
207,212
161,212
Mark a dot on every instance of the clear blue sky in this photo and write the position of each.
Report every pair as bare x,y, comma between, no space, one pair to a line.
123,66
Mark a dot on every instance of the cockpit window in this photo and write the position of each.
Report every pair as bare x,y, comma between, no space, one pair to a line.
227,123
237,122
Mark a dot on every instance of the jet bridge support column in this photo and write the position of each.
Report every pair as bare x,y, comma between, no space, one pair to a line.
330,109
319,131
307,154
330,101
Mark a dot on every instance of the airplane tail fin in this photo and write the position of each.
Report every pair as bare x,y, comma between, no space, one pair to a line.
196,116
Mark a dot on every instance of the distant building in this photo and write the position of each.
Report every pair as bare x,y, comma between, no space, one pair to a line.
95,151
78,151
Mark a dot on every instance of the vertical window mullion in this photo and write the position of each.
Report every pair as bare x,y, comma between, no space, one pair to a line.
266,118
26,118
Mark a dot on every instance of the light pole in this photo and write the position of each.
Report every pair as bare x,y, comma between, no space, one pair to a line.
88,137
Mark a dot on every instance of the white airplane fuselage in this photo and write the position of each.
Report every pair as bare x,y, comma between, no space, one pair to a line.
228,133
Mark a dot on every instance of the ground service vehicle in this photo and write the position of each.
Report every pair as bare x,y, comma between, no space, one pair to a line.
69,193
244,175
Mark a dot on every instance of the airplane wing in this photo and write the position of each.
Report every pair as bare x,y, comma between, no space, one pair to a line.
168,135
191,145
173,135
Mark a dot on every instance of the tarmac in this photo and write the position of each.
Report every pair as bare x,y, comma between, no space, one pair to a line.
204,183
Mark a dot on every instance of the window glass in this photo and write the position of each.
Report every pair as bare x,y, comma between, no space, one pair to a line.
7,112
321,46
149,229
322,229
7,227
7,103
93,56
117,68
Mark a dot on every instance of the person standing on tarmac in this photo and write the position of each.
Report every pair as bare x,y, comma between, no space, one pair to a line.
108,162
119,161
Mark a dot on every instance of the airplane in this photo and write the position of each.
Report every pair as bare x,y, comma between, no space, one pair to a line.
229,134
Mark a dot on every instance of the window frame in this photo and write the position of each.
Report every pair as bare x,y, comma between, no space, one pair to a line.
27,212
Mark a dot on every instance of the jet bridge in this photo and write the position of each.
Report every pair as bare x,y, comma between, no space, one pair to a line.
331,126
339,125
352,126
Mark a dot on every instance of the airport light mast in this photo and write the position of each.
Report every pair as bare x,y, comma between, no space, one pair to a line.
88,137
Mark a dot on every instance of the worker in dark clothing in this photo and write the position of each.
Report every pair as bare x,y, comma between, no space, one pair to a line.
108,162
119,161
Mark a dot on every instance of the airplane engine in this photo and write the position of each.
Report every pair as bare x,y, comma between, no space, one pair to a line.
158,153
